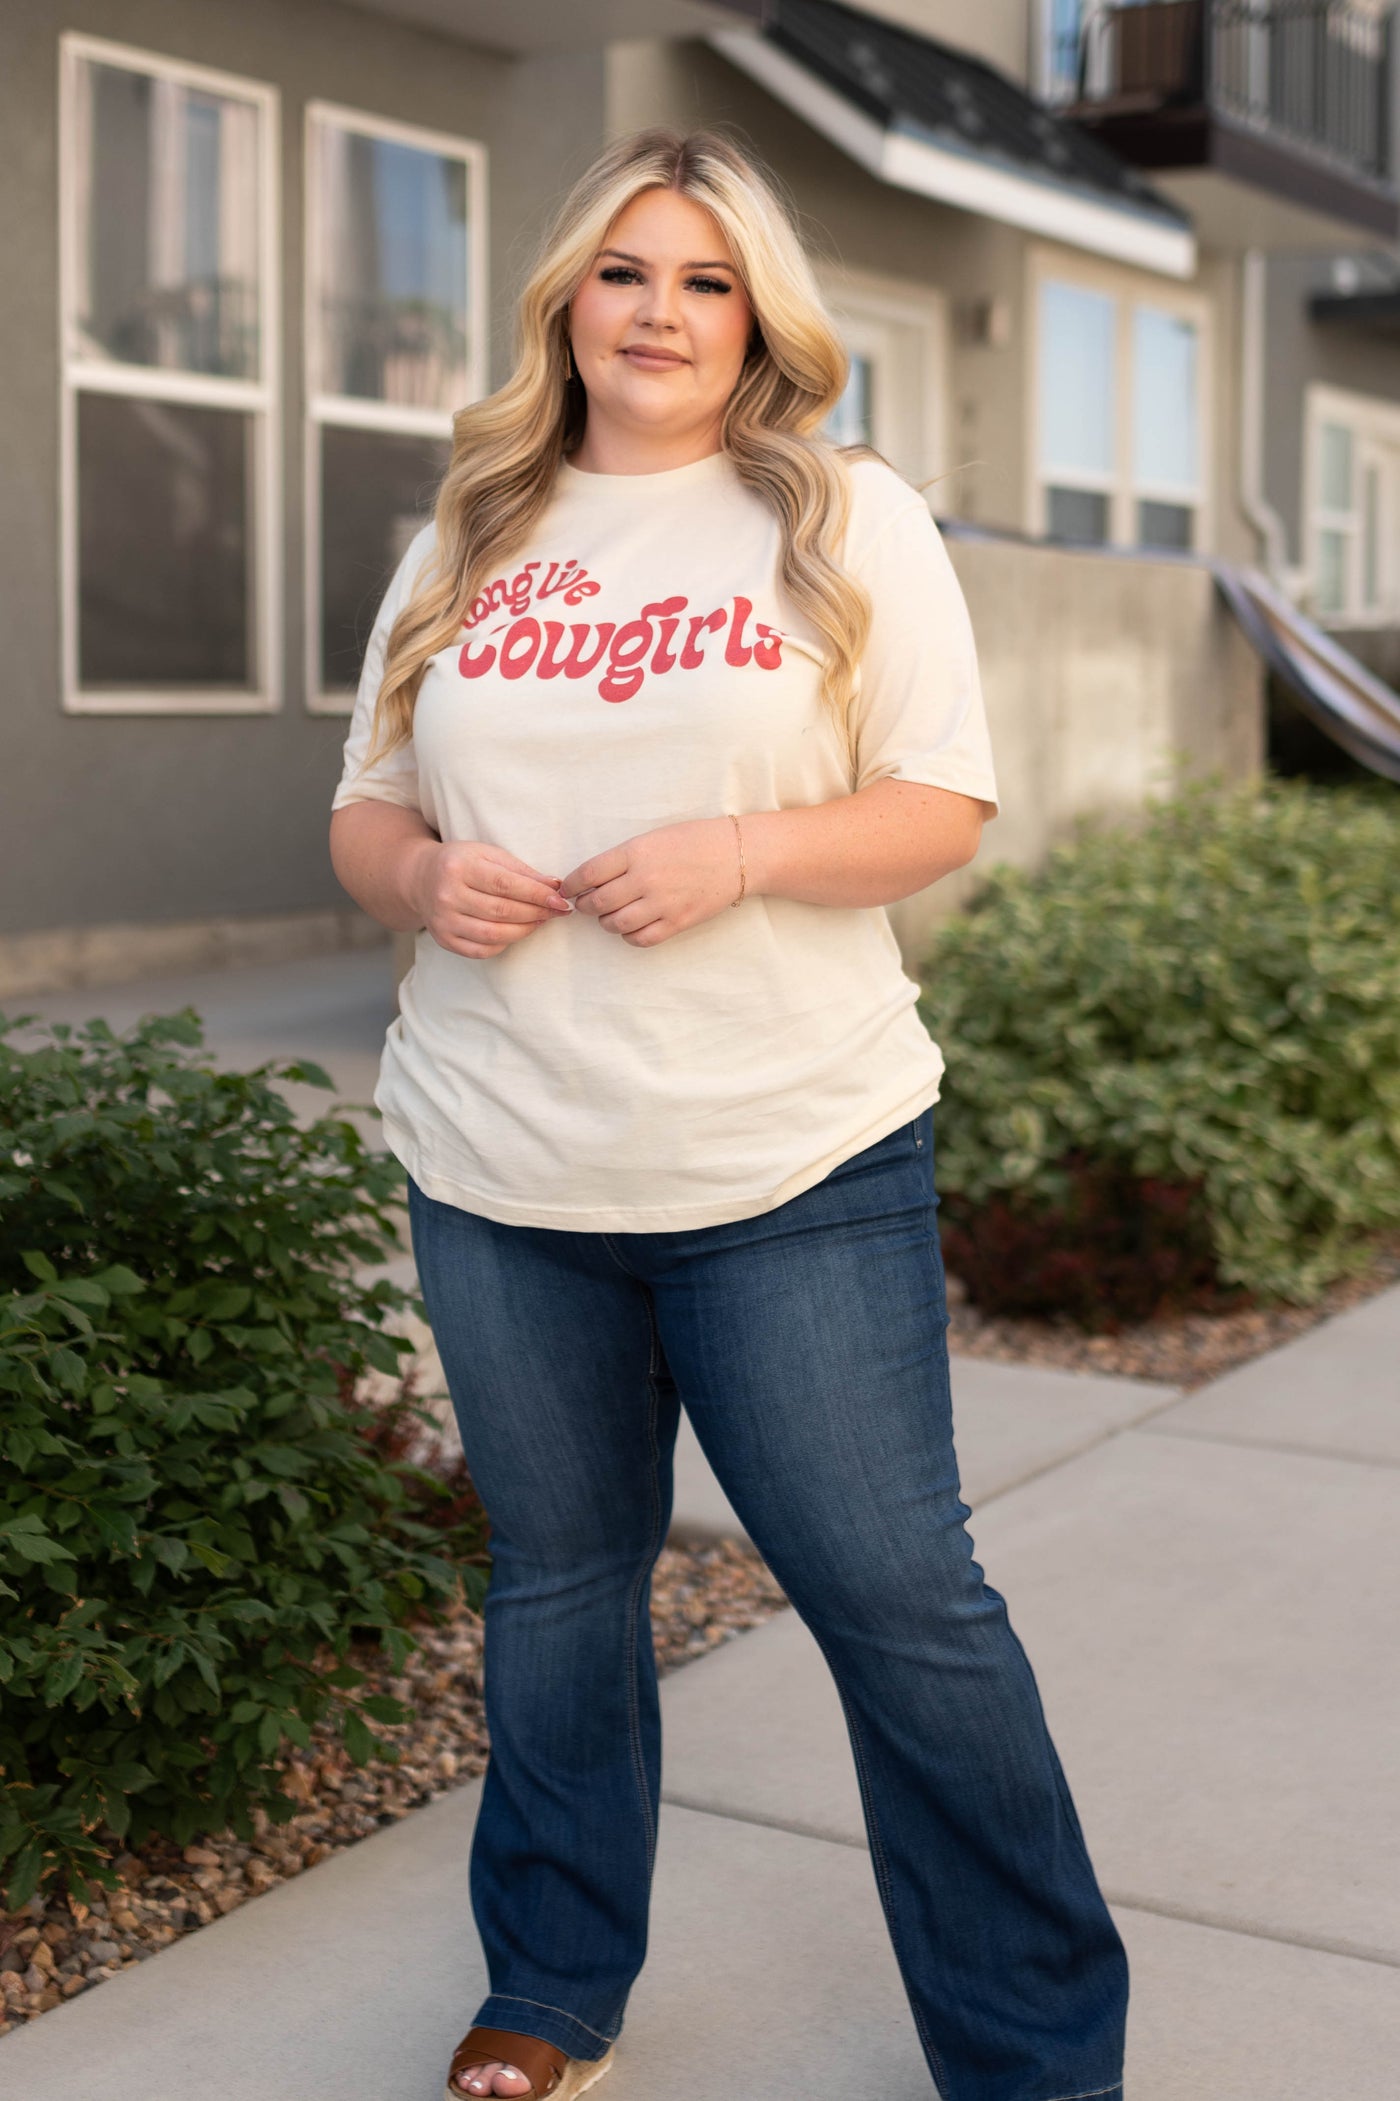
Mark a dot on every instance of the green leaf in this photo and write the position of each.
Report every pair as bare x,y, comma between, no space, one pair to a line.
227,1301
34,1547
217,1564
82,1291
308,1074
382,1707
69,1370
62,1678
120,1281
25,1879
358,1740
39,1266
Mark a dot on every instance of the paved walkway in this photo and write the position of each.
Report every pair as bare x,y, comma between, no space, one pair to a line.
1208,1590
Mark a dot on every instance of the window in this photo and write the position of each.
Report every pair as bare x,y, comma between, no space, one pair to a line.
168,442
894,336
1352,485
1060,27
1078,412
852,421
395,289
1119,447
1166,447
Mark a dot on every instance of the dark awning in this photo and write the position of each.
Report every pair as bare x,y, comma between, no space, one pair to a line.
925,117
1369,309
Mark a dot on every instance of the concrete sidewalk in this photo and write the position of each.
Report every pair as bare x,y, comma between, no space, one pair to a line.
1211,1618
1208,1590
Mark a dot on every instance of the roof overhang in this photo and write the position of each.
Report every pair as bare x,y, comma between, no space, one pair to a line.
1378,310
900,154
524,28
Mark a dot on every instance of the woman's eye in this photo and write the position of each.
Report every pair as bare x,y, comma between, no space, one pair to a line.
711,284
617,274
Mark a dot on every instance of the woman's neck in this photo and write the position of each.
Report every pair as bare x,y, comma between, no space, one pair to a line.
609,448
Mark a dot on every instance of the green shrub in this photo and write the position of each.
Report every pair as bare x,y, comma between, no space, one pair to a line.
1209,998
196,1517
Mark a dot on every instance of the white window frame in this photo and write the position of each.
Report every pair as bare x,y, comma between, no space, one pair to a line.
862,302
1374,424
352,412
1128,289
258,398
1049,84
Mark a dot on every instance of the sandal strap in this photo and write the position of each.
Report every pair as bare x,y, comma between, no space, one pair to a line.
542,2063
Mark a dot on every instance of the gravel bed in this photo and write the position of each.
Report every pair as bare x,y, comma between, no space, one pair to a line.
1188,1350
703,1593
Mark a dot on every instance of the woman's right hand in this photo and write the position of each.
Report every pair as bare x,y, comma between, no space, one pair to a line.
476,900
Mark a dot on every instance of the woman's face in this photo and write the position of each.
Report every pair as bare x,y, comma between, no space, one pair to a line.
661,323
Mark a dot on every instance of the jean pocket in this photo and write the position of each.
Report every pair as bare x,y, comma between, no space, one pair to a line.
906,1142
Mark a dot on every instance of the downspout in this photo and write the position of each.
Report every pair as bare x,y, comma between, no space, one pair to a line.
1265,520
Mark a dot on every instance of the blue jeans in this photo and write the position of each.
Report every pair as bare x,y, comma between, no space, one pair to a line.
808,1346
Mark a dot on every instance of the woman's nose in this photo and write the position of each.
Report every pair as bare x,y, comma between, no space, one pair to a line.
658,307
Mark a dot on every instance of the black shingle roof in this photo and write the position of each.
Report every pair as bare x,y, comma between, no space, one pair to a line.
909,83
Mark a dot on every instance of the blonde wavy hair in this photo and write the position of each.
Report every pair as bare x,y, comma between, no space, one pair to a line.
506,449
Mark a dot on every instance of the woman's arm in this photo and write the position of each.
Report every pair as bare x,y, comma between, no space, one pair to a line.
473,899
871,848
882,843
378,853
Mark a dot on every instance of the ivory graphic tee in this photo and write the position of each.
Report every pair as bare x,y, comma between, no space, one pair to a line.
639,665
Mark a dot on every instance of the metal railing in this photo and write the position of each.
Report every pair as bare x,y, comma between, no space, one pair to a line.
1314,72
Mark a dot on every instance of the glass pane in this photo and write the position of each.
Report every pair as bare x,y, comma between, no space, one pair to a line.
1371,535
851,422
164,544
1165,446
167,224
1336,467
1078,514
377,490
392,271
1076,379
1331,572
1165,524
1062,35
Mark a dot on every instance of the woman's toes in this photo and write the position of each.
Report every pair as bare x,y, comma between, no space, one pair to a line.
494,2078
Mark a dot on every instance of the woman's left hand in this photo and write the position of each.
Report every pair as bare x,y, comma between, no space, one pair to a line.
659,882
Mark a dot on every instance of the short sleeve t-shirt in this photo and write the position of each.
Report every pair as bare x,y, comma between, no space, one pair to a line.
638,665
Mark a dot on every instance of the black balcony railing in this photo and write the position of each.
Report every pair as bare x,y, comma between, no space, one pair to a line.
1313,72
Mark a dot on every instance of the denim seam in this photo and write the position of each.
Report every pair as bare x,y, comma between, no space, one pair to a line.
1092,2093
883,1877
634,1601
606,1239
516,1999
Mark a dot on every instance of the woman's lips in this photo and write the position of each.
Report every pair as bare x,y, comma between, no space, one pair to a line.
658,360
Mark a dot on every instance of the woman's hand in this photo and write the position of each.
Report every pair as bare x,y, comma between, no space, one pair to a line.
476,900
653,885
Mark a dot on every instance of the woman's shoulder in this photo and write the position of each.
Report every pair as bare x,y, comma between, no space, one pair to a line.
878,495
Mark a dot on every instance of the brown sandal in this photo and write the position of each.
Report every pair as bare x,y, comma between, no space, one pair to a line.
550,2070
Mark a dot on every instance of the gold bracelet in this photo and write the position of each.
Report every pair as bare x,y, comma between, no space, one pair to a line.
743,872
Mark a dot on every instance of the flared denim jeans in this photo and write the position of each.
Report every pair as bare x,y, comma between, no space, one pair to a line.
808,1346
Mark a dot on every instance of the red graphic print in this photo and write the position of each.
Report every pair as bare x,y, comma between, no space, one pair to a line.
621,654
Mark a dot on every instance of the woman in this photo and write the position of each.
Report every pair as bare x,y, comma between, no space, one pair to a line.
665,652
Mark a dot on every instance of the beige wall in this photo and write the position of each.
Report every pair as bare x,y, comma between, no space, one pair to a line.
1106,676
999,32
853,221
1107,680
